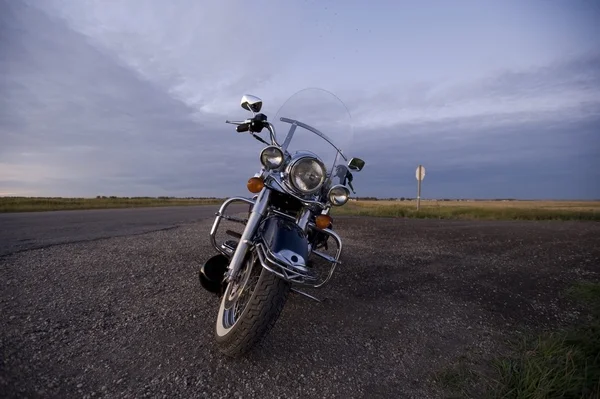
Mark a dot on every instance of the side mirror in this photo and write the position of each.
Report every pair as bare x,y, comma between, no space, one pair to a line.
356,164
251,103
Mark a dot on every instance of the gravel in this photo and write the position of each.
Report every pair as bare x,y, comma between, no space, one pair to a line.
125,316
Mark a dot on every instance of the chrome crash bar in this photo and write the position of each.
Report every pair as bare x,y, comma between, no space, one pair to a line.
269,262
287,272
221,215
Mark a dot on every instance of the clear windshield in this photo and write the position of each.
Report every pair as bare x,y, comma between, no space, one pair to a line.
324,127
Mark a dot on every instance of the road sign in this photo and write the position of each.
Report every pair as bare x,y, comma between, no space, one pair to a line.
420,172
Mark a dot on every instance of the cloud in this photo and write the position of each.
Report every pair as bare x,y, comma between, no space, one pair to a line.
199,53
546,119
75,115
127,98
570,89
558,160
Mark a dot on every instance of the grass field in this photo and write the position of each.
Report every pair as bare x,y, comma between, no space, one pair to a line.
36,204
557,364
489,210
564,363
470,210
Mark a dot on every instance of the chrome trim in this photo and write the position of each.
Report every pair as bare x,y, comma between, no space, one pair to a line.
287,273
268,262
251,103
294,161
304,218
260,157
275,211
338,186
221,215
324,256
271,130
228,249
258,211
336,259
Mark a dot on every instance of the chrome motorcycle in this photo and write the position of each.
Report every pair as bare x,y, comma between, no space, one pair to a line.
286,232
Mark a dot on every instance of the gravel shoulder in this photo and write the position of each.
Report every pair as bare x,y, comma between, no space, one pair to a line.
126,317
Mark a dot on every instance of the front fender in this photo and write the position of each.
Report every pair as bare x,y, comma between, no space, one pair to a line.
285,241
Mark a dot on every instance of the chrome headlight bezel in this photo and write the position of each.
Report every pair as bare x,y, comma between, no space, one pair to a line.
269,153
337,190
289,173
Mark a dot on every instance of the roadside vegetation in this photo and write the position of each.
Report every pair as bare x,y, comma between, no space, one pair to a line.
468,210
36,204
472,210
557,364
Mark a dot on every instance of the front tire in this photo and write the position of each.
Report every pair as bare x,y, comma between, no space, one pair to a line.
245,321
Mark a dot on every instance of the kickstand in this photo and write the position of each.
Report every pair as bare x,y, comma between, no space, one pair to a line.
307,295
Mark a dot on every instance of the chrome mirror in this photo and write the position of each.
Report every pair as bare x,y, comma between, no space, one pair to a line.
251,103
356,164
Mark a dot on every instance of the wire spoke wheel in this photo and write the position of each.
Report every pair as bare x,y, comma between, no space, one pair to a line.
249,308
238,295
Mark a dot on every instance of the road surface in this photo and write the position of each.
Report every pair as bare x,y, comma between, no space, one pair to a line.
22,231
107,304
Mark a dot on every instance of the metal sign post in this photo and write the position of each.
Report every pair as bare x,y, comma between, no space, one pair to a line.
420,174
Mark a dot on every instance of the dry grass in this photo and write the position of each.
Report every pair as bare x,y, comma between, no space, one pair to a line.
559,364
490,210
37,204
561,205
564,363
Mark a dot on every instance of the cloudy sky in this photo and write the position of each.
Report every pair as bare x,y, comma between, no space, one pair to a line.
496,99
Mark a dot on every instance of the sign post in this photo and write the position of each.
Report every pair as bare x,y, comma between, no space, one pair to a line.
420,174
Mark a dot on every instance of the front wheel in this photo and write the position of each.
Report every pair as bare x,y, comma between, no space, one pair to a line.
249,308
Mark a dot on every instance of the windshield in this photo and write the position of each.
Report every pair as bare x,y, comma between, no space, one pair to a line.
316,120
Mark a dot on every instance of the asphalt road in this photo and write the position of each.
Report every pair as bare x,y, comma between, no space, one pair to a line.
114,308
24,231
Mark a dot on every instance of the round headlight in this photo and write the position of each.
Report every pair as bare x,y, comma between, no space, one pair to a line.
271,157
338,195
307,174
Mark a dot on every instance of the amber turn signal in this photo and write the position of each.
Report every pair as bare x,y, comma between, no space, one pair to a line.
255,185
323,221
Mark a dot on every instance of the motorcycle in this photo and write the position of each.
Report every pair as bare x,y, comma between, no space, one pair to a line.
288,228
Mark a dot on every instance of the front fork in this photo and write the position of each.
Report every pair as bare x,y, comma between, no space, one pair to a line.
256,214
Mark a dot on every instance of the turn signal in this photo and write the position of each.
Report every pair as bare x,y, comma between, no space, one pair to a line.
323,221
255,185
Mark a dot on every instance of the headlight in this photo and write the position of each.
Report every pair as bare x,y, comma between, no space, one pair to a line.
307,174
338,195
271,157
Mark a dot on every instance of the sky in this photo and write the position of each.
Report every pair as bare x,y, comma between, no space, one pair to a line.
129,98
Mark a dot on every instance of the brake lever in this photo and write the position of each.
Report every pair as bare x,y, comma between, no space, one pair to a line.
237,122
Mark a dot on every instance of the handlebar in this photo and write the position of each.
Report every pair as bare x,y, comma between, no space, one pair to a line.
242,126
253,124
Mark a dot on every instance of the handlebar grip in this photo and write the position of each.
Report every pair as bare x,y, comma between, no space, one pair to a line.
242,128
